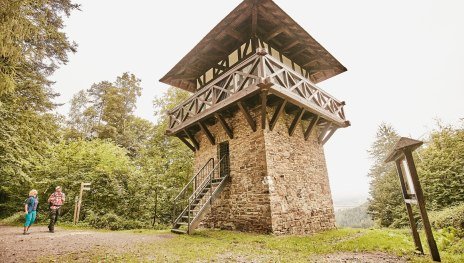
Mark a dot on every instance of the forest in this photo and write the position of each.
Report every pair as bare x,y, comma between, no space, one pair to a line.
133,167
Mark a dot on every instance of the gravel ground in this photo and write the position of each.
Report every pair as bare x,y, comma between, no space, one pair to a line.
16,247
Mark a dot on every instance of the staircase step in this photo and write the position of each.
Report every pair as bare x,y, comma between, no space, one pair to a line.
178,231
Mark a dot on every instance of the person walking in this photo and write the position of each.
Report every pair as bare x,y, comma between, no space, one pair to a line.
56,200
30,208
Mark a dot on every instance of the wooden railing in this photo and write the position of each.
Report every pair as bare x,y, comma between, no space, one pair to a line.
289,80
258,69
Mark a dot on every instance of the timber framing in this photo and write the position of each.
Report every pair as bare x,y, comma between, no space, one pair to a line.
258,74
257,59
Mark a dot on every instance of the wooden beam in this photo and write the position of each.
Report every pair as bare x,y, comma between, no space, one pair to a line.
224,125
247,115
275,33
264,108
295,121
280,108
186,143
192,139
235,34
291,45
324,132
311,126
412,221
421,202
327,137
254,21
208,134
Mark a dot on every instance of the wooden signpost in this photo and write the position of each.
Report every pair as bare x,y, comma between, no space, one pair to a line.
412,191
78,201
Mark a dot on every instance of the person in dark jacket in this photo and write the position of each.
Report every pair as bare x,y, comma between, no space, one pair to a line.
30,208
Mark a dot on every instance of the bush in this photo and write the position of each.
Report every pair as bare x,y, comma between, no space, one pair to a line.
14,219
448,217
113,222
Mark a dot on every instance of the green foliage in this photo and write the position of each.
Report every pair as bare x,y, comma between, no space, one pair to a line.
386,203
441,167
448,217
356,217
105,111
32,44
101,163
131,186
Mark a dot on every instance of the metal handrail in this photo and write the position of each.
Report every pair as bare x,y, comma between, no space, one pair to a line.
192,197
193,178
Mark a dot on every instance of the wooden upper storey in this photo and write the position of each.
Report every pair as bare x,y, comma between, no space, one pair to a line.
251,25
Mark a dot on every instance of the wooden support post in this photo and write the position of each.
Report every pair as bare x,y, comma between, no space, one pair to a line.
254,28
247,115
192,139
329,135
295,121
77,210
264,108
280,108
186,143
421,202
76,200
79,203
412,222
208,134
324,132
311,126
225,126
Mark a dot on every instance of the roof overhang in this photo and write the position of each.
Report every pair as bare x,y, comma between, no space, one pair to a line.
267,21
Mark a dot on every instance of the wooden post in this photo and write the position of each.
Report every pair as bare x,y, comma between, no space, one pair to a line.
156,206
412,222
77,209
403,151
421,202
76,200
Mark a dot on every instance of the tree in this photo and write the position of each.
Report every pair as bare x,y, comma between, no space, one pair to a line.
106,111
32,46
441,167
386,201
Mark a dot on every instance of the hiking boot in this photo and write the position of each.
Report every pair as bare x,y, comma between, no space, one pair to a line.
26,233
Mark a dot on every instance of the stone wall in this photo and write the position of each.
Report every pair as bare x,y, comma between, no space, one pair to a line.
301,202
244,203
278,183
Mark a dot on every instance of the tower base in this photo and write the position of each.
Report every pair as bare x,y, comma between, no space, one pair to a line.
278,183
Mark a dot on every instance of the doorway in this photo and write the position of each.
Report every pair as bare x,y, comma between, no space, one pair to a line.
223,158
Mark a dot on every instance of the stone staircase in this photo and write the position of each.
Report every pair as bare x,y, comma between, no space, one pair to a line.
195,199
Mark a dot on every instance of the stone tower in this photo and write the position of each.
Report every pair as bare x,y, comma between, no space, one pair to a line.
257,123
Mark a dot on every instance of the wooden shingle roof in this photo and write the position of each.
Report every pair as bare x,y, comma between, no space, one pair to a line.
267,21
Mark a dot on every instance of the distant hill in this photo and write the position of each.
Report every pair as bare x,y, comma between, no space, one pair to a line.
356,217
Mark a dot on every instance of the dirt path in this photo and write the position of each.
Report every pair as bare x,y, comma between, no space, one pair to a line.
15,247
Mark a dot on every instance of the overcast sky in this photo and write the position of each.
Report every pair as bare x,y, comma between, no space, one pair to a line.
404,58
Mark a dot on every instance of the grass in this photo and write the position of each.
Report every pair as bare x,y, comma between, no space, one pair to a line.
228,246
